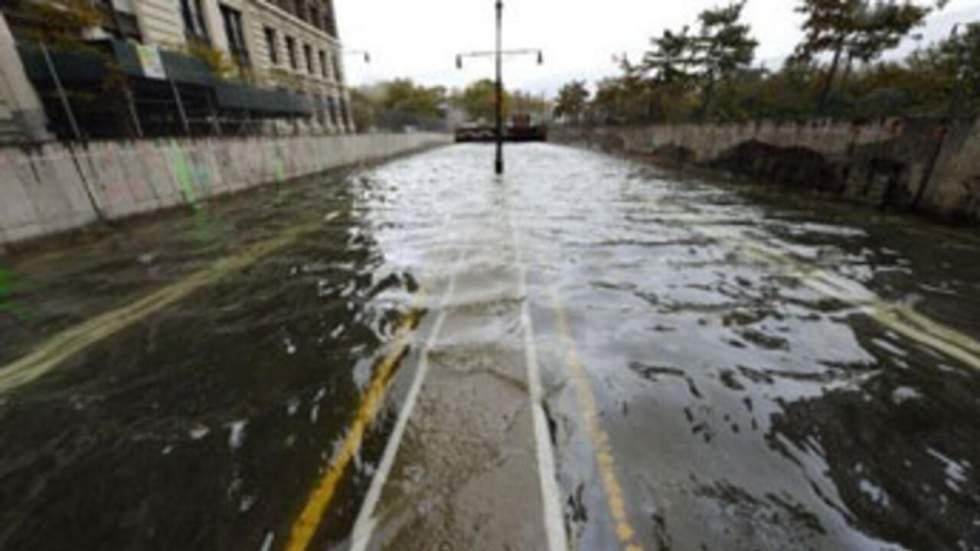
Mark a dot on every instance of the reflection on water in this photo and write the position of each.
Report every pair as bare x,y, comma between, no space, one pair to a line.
748,409
203,426
745,406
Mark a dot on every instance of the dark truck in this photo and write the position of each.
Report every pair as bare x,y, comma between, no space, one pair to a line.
520,129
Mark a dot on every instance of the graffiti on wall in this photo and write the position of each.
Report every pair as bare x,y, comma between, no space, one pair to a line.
194,179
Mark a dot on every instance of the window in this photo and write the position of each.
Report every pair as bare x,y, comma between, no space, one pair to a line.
315,16
329,22
321,116
272,44
236,35
299,9
193,20
337,68
332,110
343,109
119,19
323,64
308,54
291,52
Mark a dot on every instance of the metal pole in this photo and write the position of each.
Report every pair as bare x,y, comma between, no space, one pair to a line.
61,92
180,106
215,120
499,163
131,103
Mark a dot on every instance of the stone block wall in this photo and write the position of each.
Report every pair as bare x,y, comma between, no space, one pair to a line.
921,164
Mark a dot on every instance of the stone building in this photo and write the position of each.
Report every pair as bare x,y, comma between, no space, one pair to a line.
289,47
21,114
289,44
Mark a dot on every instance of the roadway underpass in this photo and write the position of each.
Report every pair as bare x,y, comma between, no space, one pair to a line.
586,353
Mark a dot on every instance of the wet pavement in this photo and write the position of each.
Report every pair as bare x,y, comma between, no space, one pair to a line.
588,353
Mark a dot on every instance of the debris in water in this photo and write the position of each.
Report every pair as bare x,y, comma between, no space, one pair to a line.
237,434
290,347
199,431
246,504
147,258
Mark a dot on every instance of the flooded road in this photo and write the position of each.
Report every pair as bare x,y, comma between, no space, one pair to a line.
587,353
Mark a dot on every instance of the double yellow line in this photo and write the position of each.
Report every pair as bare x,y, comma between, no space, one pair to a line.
74,340
600,439
306,525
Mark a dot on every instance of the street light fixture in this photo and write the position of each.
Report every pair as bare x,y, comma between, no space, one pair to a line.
499,54
365,53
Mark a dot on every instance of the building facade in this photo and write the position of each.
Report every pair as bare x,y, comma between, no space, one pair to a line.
287,44
255,49
21,114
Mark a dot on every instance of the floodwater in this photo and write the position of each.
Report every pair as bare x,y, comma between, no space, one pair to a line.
587,353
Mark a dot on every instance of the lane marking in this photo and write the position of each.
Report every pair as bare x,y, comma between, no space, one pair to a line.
547,473
365,523
73,340
306,525
600,439
901,318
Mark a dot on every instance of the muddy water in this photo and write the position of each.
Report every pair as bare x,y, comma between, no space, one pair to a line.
720,369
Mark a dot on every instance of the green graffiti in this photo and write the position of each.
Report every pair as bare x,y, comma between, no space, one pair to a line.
185,178
188,175
280,171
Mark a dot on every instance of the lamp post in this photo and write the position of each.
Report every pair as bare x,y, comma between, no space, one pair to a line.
365,53
498,55
499,159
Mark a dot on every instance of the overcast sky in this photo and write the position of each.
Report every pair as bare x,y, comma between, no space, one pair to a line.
419,38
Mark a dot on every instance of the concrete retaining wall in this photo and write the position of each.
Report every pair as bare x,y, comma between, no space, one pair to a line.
920,164
58,187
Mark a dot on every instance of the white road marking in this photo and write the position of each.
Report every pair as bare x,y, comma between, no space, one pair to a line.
553,520
365,523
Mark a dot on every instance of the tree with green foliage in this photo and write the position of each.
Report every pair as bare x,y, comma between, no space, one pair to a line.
526,103
960,55
859,29
572,100
671,61
945,77
688,74
362,109
406,96
632,97
722,47
479,100
61,24
397,104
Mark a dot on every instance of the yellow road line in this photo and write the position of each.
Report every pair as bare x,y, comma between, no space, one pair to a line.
599,437
900,318
319,500
75,339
